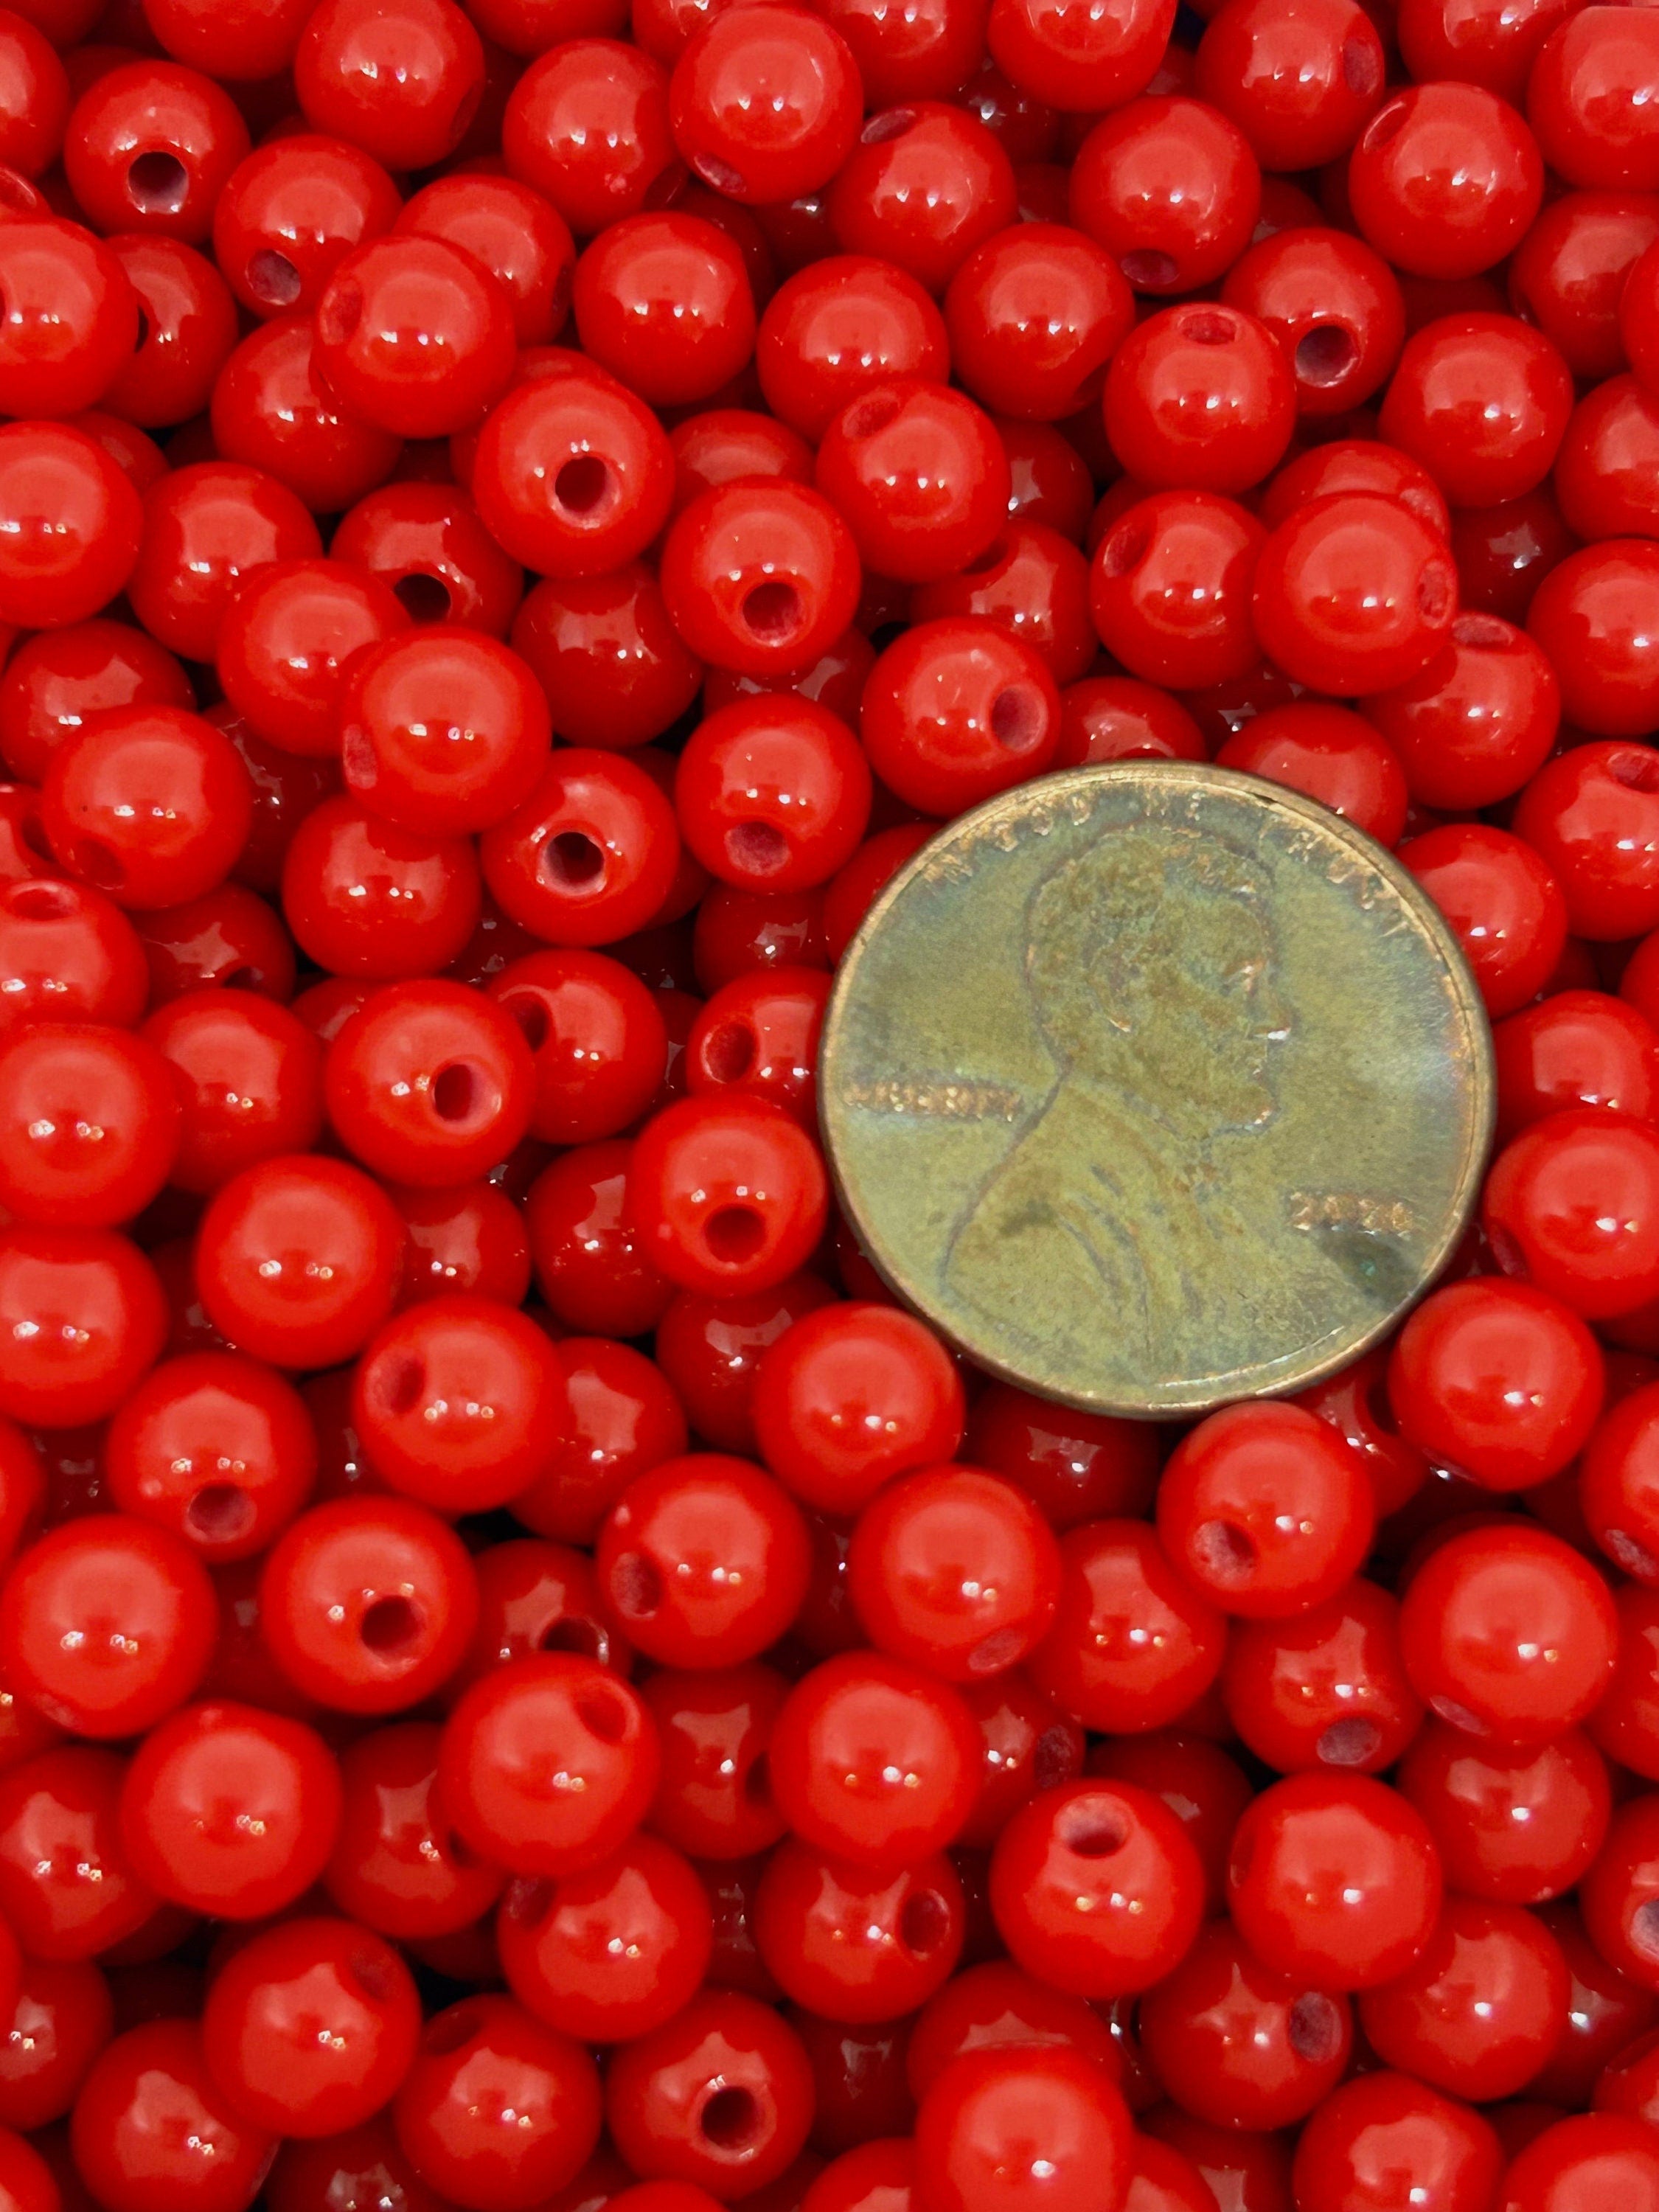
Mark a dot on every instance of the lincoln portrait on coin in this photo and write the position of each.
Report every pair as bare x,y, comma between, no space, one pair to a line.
1150,967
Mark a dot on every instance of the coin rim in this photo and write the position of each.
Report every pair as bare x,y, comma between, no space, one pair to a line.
1295,805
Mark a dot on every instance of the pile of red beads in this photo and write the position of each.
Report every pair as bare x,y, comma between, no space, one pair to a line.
529,1684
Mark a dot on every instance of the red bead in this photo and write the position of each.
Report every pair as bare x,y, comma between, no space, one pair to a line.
215,1448
715,1797
1569,1205
1570,2166
920,477
514,233
704,1560
729,1194
853,1942
765,109
1327,1689
1483,403
1592,616
603,649
311,2026
1170,588
151,2127
1171,191
1201,398
230,1811
89,1125
772,796
590,1260
71,520
149,147
1074,59
1503,904
1353,594
64,1872
1586,99
552,1731
1241,2041
611,1953
956,1570
586,125
720,2094
1509,1634
414,336
1300,82
573,475
367,1603
1477,722
71,318
1384,2132
1482,2007
1498,1380
956,710
402,81
663,302
1335,1879
497,2111
395,1864
1332,756
427,542
290,213
1133,1642
590,854
1259,1506
106,1624
1516,1827
760,576
1445,179
1033,316
926,184
81,1317
248,1076
1096,1888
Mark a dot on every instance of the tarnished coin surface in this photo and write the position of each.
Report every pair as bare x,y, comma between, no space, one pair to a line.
1153,1085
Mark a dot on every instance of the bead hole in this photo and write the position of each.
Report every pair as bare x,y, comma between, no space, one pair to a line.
1636,771
1362,67
399,1382
42,902
424,598
390,1625
730,1053
734,1235
339,312
1018,720
455,1092
376,1977
571,860
636,1586
1054,1758
218,1513
1315,2028
1125,548
1437,591
772,611
602,1716
892,123
97,864
1349,1742
1627,1552
535,1025
1208,326
570,1634
157,183
583,485
1093,1832
1484,633
1225,1551
922,1923
757,848
1385,126
528,1901
1148,271
272,279
731,2119
1325,354
865,418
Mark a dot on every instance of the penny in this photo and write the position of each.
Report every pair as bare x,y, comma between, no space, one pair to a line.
1153,1085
